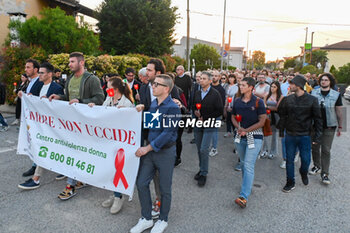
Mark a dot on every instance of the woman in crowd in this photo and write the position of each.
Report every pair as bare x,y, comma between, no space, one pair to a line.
231,91
272,101
122,98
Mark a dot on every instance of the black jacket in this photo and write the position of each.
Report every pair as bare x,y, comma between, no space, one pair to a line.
299,114
211,105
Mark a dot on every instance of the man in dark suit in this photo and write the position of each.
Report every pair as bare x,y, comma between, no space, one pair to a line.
31,69
133,83
154,67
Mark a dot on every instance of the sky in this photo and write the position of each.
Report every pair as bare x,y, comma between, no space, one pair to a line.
329,20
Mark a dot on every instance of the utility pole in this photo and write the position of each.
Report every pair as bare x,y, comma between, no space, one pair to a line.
312,41
188,37
248,55
304,46
223,37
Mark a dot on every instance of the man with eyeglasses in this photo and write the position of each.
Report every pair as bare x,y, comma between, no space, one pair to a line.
331,104
154,67
158,156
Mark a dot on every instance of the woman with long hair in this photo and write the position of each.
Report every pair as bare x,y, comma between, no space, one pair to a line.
231,91
272,100
121,97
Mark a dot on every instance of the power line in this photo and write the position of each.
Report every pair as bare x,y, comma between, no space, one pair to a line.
272,20
327,34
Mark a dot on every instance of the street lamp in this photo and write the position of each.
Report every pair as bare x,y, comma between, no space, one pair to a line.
247,47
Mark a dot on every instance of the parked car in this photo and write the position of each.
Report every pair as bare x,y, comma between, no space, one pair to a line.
347,93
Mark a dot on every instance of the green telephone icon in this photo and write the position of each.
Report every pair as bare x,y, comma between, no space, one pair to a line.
43,151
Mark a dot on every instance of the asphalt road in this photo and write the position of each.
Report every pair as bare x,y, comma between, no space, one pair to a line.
312,208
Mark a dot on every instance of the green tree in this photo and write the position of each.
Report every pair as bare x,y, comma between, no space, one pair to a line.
205,56
309,69
258,58
56,32
137,26
289,63
318,56
343,74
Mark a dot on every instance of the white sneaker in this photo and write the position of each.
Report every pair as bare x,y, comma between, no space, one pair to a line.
15,122
142,225
263,155
117,204
213,152
228,134
109,202
159,226
283,164
4,128
296,158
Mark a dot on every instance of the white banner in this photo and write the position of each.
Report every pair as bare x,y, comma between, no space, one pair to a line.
93,145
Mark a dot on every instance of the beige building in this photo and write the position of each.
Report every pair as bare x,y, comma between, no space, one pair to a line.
24,9
338,53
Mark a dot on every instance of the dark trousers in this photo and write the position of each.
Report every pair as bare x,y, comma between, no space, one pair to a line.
321,152
303,143
18,108
179,143
163,161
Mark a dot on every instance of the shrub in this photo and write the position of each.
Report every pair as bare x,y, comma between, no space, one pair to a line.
14,62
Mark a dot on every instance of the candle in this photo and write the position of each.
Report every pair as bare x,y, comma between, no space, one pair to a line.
110,92
238,119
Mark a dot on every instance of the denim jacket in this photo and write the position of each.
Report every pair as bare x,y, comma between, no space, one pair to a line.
329,104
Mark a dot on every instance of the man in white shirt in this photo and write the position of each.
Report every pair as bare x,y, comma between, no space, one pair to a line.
262,88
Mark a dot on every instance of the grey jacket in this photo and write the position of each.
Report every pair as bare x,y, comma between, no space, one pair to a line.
90,89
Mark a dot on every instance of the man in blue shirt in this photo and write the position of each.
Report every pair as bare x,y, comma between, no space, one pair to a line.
159,154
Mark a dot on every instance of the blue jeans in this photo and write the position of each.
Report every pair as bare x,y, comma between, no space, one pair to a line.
163,162
203,138
248,158
2,121
215,136
303,143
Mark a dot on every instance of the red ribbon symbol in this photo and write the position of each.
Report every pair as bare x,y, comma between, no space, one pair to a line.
119,165
110,92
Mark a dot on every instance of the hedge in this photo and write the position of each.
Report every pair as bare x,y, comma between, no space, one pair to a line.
14,62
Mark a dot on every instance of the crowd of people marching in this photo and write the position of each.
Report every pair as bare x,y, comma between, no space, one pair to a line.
268,114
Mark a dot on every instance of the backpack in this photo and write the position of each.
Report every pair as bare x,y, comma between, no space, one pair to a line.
2,94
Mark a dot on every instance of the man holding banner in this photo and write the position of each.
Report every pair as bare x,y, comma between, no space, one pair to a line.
48,88
81,87
159,155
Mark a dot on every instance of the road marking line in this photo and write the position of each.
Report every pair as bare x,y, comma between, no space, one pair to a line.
7,149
